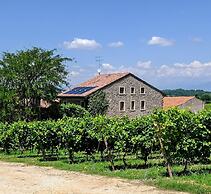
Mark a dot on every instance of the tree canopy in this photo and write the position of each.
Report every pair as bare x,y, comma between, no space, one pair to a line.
28,76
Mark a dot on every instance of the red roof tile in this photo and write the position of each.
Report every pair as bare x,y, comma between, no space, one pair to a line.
98,82
175,101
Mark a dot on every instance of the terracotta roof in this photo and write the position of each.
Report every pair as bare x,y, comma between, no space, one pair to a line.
175,101
97,82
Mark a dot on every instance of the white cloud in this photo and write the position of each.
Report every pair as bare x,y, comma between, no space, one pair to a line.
116,44
79,43
82,70
194,69
74,73
144,64
107,66
197,39
156,40
195,74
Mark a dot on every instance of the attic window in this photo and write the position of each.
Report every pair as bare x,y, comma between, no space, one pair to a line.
121,90
142,90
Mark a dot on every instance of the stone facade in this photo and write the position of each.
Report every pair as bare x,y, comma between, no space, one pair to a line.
152,97
194,105
137,97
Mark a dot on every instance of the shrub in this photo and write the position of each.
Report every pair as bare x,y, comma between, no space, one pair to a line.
72,110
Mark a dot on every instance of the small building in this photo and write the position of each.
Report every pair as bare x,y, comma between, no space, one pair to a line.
185,102
126,93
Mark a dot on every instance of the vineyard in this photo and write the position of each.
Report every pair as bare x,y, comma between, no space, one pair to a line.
177,136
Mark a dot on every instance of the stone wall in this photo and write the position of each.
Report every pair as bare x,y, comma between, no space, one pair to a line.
153,98
193,105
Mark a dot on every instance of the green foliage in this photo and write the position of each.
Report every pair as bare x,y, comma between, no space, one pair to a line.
26,77
208,106
5,138
8,105
181,137
206,97
72,110
98,104
204,120
143,138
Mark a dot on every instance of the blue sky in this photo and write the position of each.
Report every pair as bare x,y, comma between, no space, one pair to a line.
167,43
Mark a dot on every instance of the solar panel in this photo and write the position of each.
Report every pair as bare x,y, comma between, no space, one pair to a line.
79,90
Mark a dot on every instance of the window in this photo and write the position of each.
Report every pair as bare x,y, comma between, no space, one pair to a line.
142,90
122,106
132,105
143,105
122,90
132,90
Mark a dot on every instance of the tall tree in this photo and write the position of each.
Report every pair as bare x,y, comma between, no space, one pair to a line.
30,75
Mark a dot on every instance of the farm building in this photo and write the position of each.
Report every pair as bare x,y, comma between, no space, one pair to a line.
186,102
126,93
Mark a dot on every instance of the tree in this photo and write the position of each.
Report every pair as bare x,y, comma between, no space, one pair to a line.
206,97
30,75
98,104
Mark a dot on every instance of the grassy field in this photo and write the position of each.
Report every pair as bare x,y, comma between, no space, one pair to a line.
197,181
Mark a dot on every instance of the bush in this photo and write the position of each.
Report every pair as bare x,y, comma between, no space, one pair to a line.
72,110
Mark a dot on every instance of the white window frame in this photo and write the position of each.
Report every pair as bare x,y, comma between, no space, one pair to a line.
119,90
120,106
131,105
141,105
134,90
144,90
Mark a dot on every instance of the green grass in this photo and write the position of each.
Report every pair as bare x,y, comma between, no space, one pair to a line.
207,106
199,181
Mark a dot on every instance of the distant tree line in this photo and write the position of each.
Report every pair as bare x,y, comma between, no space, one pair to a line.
201,94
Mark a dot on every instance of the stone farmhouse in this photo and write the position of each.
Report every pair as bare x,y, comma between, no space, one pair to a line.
185,102
126,93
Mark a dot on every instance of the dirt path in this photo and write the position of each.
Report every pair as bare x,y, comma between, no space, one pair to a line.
23,179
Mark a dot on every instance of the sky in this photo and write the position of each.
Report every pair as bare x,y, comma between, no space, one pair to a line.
165,42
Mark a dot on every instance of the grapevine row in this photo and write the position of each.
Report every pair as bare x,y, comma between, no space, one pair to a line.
180,136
